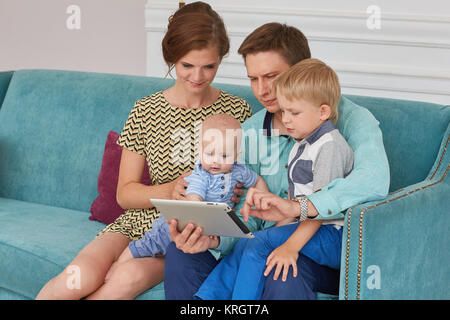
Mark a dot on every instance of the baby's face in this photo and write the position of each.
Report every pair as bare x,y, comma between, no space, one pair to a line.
218,154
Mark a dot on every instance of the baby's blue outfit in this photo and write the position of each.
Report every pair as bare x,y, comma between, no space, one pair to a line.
211,188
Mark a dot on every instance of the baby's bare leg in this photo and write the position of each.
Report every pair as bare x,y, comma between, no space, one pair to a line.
130,278
86,273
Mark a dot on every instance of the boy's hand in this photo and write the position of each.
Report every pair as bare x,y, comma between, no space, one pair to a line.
283,257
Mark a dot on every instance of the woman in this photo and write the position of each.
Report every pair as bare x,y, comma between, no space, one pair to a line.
156,131
268,51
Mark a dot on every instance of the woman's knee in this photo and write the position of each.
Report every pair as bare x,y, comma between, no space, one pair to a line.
86,273
127,276
76,281
131,278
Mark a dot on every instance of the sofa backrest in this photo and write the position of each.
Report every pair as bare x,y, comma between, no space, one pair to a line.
412,135
53,128
5,78
54,124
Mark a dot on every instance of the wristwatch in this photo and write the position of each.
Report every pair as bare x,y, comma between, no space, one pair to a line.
303,201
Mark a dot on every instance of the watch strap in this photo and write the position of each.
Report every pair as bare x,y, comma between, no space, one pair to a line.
303,201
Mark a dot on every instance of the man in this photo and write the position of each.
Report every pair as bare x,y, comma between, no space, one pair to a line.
268,51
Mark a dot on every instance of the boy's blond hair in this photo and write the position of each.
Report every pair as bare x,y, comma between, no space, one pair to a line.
313,80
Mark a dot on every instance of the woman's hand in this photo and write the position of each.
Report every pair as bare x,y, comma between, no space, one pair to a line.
269,206
190,239
238,193
179,187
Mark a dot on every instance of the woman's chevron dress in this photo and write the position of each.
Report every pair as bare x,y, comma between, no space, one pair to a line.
165,135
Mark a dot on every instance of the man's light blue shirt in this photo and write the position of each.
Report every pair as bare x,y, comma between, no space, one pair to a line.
267,154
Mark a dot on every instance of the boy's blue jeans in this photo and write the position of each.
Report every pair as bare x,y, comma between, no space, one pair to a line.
185,273
240,275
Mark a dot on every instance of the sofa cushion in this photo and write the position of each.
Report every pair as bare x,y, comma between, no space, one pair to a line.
10,295
105,207
37,242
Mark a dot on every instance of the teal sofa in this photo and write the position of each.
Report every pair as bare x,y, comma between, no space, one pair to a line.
53,128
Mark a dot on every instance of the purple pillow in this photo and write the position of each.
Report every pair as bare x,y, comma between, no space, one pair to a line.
105,207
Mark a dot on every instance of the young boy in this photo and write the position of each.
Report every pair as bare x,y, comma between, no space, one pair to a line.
308,94
213,179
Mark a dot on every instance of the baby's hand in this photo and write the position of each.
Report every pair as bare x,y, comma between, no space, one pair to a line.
283,257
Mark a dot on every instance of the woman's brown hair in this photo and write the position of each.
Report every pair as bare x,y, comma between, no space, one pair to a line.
194,26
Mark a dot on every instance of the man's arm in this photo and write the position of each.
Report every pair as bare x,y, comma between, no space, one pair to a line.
369,179
261,184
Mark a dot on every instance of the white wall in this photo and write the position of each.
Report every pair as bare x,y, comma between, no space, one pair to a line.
407,57
111,37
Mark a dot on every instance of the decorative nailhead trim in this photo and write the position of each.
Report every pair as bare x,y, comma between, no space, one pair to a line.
442,157
347,253
397,191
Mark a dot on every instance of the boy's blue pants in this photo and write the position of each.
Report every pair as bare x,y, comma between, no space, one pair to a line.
237,278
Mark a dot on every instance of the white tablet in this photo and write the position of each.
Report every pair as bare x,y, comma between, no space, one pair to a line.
215,218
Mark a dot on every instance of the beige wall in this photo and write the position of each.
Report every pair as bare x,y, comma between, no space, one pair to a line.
111,38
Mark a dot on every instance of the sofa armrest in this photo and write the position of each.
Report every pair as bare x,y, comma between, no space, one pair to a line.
398,248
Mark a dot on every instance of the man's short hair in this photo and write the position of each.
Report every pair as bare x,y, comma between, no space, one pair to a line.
286,40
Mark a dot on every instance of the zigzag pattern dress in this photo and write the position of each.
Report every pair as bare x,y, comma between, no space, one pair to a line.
165,135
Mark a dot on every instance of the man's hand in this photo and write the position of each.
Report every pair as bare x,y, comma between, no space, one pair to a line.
190,239
269,207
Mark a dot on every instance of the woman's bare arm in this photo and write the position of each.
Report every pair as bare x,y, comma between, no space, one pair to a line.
131,193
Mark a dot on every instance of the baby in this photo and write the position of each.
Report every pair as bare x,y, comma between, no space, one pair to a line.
213,179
